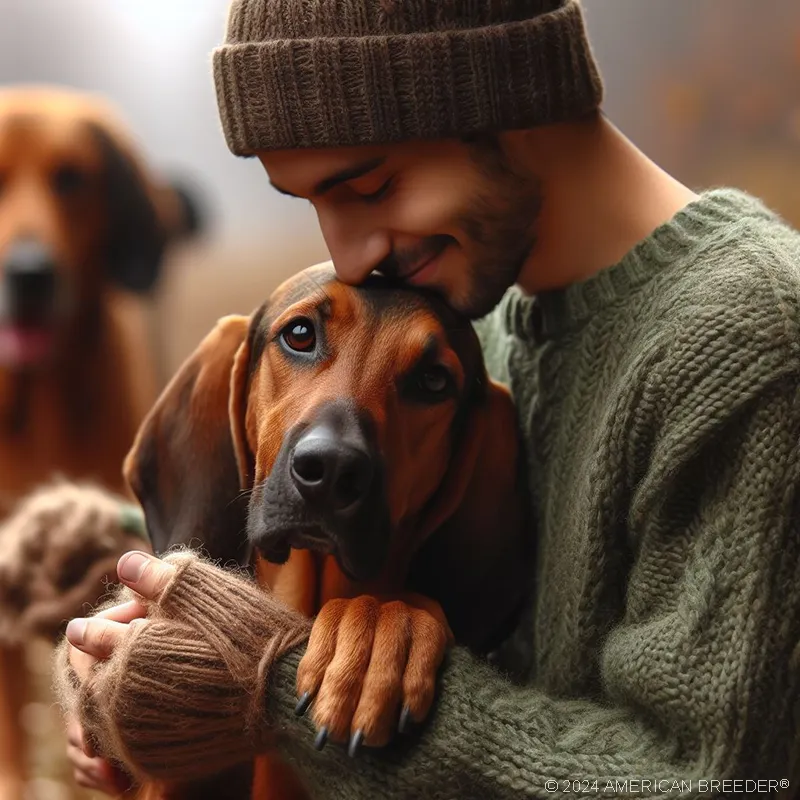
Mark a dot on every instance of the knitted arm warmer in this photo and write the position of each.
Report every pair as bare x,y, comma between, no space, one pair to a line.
58,548
183,696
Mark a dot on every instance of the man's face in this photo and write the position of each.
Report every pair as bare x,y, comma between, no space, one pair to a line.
451,216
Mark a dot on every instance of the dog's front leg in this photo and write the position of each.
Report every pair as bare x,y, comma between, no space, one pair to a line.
371,666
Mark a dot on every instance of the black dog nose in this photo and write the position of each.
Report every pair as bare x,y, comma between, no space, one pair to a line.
330,474
30,277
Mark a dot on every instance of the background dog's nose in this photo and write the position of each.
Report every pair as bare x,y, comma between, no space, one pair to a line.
30,277
330,474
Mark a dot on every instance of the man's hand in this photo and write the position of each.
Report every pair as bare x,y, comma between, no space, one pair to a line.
91,772
124,670
94,639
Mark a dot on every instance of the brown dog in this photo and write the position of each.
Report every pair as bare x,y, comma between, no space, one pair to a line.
350,439
83,228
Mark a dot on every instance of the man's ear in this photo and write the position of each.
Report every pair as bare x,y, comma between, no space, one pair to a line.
477,559
188,459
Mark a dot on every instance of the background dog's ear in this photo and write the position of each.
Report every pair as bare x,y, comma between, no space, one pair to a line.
185,464
183,210
144,217
477,559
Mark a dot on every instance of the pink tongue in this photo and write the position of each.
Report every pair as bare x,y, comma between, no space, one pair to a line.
24,345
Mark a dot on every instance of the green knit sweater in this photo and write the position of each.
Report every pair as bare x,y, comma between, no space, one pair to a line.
660,405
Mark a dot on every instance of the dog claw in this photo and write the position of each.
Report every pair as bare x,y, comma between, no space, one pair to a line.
405,719
303,703
355,743
322,738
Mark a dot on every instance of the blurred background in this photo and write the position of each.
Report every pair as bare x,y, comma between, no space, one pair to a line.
709,88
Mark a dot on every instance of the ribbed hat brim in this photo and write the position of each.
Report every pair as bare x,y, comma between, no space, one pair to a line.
337,92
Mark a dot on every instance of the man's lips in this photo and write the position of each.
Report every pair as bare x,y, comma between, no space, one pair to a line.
420,272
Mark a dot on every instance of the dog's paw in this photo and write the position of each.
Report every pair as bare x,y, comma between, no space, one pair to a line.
370,667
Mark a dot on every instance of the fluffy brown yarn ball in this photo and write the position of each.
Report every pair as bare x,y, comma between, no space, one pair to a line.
183,696
58,548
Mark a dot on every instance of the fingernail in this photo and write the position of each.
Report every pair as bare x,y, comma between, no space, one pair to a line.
131,566
355,743
322,737
302,704
76,630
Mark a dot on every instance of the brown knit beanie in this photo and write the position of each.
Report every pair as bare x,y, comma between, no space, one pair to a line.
332,73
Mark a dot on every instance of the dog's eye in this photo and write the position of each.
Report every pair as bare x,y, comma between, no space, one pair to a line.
68,180
434,380
299,335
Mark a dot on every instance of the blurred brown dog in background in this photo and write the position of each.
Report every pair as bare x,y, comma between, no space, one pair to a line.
84,228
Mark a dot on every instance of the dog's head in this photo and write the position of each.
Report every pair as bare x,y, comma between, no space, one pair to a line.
78,212
353,421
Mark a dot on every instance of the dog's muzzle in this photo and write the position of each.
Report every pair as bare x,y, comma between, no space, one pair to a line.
28,303
29,276
326,493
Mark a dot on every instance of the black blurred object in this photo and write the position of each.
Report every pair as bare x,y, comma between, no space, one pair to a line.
194,212
140,230
30,277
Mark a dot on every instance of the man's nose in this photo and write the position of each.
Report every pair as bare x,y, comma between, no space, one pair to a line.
355,248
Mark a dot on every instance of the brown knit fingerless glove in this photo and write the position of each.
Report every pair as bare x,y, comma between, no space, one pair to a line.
184,696
58,549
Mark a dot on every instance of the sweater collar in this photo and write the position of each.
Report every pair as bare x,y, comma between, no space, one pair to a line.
549,314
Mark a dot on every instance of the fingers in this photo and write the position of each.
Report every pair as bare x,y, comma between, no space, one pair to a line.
81,656
125,612
93,639
88,770
95,773
77,740
144,573
79,751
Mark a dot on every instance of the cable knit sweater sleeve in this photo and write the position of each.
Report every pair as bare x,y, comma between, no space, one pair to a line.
695,677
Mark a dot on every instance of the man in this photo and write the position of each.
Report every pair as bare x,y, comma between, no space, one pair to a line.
650,338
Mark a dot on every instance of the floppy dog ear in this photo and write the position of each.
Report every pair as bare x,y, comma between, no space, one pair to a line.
183,210
477,555
187,462
137,235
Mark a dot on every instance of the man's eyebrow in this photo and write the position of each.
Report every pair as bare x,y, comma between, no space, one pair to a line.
347,174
